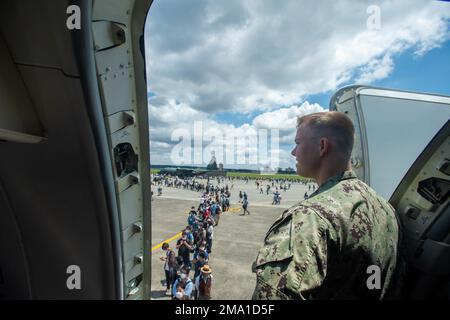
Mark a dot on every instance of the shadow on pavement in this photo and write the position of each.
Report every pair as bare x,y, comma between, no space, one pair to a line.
158,294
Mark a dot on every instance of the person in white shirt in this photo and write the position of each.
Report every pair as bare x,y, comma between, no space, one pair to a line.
209,235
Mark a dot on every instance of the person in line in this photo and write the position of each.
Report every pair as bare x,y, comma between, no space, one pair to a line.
201,249
203,283
192,219
199,263
170,264
184,249
183,287
218,213
209,236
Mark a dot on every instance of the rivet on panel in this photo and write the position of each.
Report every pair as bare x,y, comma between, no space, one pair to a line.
138,259
137,227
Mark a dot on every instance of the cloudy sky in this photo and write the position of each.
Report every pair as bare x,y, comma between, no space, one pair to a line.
218,70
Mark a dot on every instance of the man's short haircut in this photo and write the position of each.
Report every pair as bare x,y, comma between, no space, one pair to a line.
202,255
165,245
333,125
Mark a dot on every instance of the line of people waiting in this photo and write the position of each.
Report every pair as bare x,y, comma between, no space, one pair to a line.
196,239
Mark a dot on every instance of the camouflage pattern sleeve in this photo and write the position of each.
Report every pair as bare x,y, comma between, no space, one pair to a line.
292,261
311,240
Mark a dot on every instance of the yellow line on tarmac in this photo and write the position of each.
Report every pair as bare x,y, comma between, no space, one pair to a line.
235,209
168,240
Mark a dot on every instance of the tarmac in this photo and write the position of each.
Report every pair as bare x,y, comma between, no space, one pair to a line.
237,238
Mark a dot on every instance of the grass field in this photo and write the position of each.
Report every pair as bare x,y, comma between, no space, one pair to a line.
292,177
265,176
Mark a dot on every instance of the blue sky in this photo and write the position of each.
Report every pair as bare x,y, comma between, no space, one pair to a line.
239,65
427,74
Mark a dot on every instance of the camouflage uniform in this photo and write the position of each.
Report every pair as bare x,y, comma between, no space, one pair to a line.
321,247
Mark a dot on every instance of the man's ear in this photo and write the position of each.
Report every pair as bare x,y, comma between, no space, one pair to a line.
324,146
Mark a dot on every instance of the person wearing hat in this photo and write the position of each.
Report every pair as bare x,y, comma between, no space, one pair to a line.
203,283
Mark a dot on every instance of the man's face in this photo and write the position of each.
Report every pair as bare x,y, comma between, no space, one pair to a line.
306,152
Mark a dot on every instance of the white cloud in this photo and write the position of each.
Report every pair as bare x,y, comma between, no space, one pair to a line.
162,145
171,120
376,69
285,118
259,55
208,56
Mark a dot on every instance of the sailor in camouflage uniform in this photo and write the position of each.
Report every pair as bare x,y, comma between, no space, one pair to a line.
321,247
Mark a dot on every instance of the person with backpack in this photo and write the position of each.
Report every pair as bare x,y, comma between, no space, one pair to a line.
192,219
199,263
189,235
183,287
